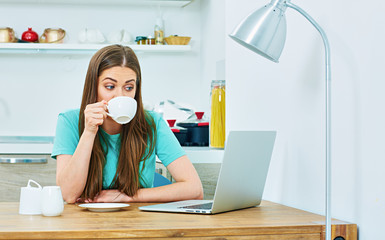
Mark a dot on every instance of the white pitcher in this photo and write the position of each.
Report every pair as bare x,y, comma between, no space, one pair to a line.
30,199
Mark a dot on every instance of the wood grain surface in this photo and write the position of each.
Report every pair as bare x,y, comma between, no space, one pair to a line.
268,221
14,176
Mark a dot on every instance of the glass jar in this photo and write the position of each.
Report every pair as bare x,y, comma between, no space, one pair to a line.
218,113
150,40
159,31
141,40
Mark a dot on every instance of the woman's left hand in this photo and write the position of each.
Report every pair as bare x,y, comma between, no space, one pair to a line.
111,196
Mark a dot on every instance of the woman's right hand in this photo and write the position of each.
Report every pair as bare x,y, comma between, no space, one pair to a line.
94,116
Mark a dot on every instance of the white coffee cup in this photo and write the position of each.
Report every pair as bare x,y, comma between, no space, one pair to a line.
30,199
52,203
122,109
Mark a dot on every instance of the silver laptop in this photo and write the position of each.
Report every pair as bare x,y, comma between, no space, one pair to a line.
241,179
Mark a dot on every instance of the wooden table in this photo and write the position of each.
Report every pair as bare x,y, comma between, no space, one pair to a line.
268,221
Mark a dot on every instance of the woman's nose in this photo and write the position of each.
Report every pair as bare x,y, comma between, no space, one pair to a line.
119,92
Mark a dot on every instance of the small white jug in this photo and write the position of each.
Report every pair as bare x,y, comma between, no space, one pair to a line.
30,199
52,201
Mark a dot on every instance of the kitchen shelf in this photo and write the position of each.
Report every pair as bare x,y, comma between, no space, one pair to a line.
165,3
84,48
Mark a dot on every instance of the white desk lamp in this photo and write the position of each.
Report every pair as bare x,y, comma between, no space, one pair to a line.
264,32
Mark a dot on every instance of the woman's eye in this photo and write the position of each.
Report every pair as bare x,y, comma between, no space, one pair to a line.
129,88
109,87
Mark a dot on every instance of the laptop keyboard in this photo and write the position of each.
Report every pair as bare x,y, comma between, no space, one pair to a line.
206,206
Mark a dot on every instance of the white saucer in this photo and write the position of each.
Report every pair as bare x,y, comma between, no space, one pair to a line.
103,207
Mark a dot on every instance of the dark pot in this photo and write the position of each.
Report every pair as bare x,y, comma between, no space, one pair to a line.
181,135
197,134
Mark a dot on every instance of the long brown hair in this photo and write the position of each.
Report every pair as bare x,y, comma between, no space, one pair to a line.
135,137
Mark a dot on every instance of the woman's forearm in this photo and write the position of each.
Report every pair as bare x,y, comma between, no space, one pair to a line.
187,186
173,192
72,171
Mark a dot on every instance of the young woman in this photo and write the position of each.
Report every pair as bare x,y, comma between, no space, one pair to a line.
99,160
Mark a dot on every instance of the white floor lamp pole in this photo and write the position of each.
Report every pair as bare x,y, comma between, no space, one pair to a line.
264,32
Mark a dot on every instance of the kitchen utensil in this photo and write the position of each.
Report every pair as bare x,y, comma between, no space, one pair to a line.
187,110
179,132
104,207
197,130
122,109
52,201
30,36
30,199
52,35
7,35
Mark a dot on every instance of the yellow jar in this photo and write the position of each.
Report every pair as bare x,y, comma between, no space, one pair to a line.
218,113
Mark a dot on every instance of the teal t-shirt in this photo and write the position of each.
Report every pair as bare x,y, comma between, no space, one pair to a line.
167,147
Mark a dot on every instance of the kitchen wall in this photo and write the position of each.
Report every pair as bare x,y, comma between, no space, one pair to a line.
35,87
289,97
212,44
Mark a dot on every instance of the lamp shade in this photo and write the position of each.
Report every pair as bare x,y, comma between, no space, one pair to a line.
263,31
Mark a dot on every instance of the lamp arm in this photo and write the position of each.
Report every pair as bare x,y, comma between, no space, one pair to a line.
328,114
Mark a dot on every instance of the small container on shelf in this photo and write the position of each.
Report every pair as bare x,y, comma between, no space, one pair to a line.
159,31
177,40
30,36
141,40
150,40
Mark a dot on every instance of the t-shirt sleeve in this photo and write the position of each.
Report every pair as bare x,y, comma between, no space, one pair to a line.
67,134
167,147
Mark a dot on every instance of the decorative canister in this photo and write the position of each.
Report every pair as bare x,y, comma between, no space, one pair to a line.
218,113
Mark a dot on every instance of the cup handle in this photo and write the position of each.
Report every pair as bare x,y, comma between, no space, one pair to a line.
29,183
108,114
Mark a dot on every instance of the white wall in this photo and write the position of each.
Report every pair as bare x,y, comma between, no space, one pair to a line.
289,97
34,88
212,45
